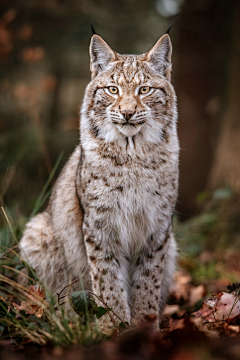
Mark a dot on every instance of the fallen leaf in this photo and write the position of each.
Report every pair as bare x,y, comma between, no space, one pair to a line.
196,294
29,308
180,286
171,309
234,328
35,304
37,290
219,307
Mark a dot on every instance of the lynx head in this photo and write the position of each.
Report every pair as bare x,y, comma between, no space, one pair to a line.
129,95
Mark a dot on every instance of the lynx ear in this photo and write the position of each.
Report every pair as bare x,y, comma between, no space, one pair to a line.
100,55
159,56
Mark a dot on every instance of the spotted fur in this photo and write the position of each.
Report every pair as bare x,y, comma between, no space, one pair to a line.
109,219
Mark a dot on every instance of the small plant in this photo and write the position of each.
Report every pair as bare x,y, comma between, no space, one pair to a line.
25,316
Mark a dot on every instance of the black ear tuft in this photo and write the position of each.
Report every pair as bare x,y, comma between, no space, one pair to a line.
168,30
92,28
170,27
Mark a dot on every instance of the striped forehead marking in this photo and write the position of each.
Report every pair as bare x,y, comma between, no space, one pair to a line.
130,68
129,71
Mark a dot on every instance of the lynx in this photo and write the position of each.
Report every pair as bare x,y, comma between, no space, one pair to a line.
109,219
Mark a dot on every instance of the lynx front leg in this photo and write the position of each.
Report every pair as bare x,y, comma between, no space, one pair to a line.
108,274
147,281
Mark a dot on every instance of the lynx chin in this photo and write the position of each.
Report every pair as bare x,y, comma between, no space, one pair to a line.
109,219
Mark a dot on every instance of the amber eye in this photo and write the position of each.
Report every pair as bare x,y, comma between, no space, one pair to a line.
144,90
113,89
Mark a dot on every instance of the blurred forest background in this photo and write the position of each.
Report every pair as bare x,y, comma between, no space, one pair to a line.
44,68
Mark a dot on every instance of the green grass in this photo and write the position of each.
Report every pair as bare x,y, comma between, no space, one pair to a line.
54,326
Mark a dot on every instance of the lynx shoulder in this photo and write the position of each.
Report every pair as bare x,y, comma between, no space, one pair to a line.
111,208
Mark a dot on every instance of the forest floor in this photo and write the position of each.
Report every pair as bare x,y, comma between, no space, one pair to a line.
200,321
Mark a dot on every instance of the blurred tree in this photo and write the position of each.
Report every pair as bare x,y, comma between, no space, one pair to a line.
226,167
203,28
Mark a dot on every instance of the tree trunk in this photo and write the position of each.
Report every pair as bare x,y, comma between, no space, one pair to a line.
200,80
226,167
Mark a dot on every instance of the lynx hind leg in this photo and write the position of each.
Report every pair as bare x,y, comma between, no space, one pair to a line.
41,251
168,271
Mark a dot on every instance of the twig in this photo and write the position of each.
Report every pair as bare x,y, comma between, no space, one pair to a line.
64,296
12,248
213,322
59,294
235,302
56,306
108,309
214,315
63,302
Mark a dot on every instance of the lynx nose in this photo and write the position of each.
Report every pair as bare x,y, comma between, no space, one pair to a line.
127,113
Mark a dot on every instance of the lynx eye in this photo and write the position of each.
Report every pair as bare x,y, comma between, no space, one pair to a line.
113,89
144,90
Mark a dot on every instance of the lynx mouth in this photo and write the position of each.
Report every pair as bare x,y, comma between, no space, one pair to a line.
129,128
129,123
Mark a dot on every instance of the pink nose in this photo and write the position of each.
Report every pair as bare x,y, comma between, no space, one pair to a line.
127,114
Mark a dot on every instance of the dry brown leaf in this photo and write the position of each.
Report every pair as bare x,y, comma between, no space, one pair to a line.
37,290
219,307
180,286
35,303
171,309
206,328
196,294
29,308
234,328
175,324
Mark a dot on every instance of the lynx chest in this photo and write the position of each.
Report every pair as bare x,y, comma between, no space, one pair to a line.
131,201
